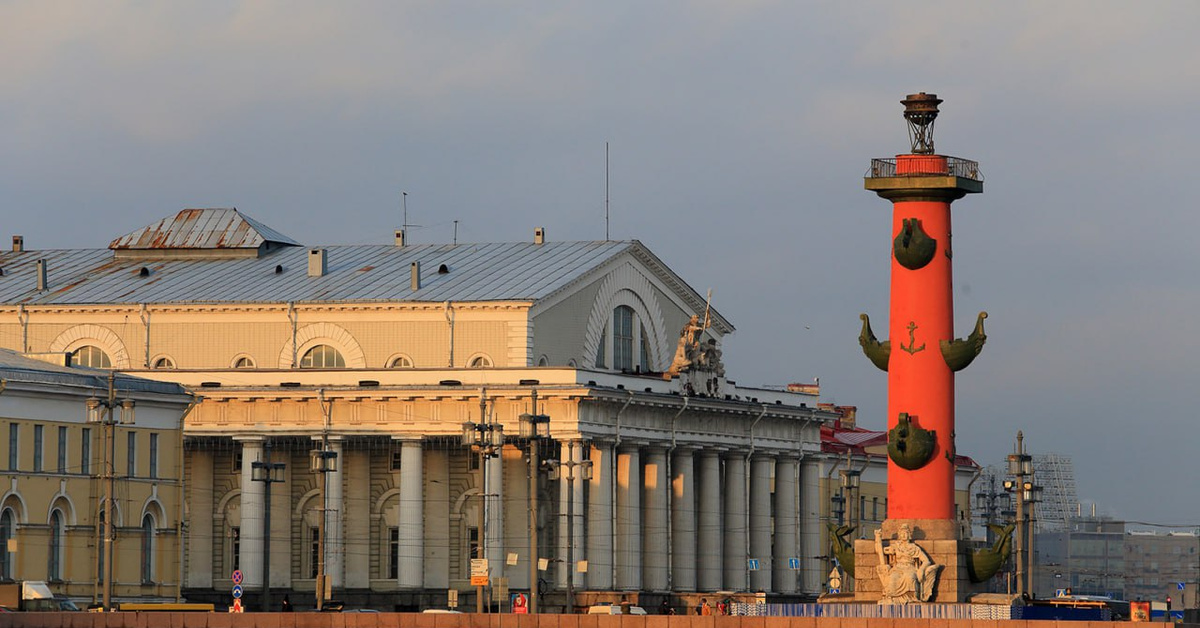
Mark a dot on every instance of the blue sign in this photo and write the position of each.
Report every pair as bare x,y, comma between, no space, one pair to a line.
1179,586
237,591
753,562
793,563
835,590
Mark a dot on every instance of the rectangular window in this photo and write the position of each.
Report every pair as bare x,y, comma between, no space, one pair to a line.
473,549
393,562
314,551
154,455
85,451
37,447
62,450
14,445
235,549
237,462
623,338
395,460
131,455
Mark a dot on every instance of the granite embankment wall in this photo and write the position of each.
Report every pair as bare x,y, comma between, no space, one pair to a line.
417,620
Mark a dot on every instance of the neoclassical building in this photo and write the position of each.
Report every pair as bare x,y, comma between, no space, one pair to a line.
378,354
55,469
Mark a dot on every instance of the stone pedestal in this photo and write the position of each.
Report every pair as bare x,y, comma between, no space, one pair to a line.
939,539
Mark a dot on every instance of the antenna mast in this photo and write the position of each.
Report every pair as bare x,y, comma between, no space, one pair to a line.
404,209
606,191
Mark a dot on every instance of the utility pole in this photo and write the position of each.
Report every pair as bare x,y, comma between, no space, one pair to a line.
101,411
323,462
268,473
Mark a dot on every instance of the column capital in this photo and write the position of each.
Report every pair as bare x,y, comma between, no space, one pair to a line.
249,439
738,453
407,438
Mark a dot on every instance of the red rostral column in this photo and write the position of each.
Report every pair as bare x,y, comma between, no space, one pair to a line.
921,355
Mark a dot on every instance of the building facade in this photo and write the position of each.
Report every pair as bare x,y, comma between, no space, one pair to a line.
376,355
57,464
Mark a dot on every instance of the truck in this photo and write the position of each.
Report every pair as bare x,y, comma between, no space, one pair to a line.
32,595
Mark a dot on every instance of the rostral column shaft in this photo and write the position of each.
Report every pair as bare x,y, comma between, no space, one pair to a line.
921,354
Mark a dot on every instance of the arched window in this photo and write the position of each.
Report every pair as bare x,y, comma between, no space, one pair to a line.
244,362
7,522
480,361
543,361
623,338
91,356
163,363
147,549
54,566
400,362
322,357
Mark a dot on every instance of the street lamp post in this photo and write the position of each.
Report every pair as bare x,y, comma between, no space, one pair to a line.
488,438
323,462
585,473
1020,466
534,429
268,473
101,411
850,484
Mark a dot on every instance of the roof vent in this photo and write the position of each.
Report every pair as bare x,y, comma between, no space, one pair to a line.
316,263
443,270
18,243
415,278
143,272
400,237
539,235
41,275
279,269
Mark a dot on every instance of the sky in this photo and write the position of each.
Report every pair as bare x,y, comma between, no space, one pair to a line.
738,134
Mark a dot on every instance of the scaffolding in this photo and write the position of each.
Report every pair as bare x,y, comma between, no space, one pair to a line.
1056,474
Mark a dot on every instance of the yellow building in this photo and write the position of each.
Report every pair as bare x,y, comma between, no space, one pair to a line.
55,476
376,355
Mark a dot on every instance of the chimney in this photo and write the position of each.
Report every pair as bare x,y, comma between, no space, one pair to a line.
539,235
41,275
18,243
400,237
415,281
316,262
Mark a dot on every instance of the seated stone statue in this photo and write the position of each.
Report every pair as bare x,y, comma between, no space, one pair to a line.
905,570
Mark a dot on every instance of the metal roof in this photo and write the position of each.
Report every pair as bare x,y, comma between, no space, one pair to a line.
15,367
474,272
203,229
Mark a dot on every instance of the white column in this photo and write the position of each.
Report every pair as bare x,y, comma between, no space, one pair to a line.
761,468
784,577
683,521
565,453
251,542
812,571
335,550
734,523
600,518
628,537
494,551
578,541
201,506
411,522
708,524
654,520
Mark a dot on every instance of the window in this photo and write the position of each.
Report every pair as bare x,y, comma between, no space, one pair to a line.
244,362
600,359
400,362
322,357
14,445
623,338
314,551
37,448
147,549
163,363
62,449
6,534
235,548
54,564
395,460
480,362
393,562
473,548
154,455
131,455
85,451
90,356
543,361
644,360
237,462
100,549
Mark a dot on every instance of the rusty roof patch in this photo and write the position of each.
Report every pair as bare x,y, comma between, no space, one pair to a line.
202,229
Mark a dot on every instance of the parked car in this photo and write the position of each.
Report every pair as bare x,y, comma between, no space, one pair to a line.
614,609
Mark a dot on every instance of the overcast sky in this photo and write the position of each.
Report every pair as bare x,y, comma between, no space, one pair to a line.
739,134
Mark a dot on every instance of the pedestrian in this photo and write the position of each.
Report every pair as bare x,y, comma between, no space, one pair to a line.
664,608
704,608
287,604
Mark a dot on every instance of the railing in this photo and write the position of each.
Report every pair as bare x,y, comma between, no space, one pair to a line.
956,166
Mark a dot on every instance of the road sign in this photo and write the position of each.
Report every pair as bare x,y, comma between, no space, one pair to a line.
835,590
237,607
753,564
793,563
1179,586
479,581
479,567
237,591
452,598
237,576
